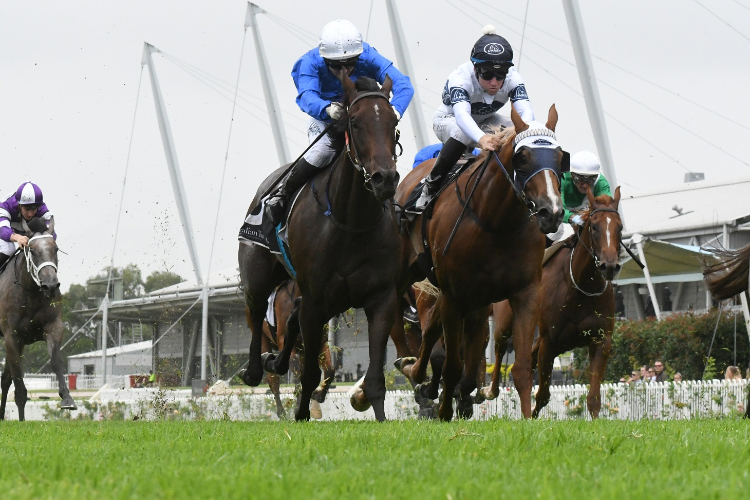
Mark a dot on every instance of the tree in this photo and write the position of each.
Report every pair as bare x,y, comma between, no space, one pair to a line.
161,279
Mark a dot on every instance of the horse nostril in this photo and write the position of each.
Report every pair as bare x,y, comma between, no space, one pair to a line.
377,179
544,213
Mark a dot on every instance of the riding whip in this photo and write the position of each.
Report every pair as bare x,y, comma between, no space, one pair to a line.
632,255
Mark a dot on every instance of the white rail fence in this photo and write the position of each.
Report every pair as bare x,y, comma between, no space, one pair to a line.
48,381
656,401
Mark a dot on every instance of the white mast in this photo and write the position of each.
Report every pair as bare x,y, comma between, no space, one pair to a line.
404,63
274,111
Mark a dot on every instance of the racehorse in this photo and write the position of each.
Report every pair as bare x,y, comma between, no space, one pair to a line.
496,254
275,337
31,311
729,278
343,242
578,302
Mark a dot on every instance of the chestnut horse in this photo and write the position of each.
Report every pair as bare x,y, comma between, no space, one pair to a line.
729,278
31,311
497,251
344,246
275,337
578,304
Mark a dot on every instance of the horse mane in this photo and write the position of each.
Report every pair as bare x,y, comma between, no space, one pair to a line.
729,277
506,135
365,84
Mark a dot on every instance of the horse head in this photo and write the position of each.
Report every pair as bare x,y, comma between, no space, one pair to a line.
537,163
605,232
371,134
41,260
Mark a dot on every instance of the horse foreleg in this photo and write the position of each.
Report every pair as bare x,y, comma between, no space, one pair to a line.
380,316
432,330
452,320
253,374
476,330
599,350
5,382
545,363
311,322
273,384
54,338
280,364
525,305
437,361
324,360
503,329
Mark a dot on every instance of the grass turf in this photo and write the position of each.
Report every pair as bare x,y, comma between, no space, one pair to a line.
542,459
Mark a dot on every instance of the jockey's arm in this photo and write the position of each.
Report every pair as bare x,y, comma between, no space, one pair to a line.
520,98
308,89
462,111
403,91
602,187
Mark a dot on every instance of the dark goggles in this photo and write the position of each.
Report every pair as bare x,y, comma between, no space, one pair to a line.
489,74
345,63
583,179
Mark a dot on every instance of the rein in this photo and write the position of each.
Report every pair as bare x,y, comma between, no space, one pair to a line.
351,151
591,252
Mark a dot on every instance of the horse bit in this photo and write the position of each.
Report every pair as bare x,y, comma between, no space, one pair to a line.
31,267
351,150
590,251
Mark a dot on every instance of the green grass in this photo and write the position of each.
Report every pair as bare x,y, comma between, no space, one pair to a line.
285,460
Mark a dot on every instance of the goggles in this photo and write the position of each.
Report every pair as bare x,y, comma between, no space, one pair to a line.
489,74
583,179
344,63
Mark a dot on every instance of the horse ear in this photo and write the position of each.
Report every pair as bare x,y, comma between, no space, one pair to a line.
349,88
51,227
517,121
552,118
387,86
590,196
617,198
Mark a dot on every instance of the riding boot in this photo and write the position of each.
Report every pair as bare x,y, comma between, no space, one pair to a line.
3,259
449,155
277,202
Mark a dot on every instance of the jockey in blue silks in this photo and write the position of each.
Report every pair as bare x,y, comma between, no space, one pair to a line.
21,207
319,93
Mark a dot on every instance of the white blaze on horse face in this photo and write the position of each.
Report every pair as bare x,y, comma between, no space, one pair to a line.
609,237
551,191
377,112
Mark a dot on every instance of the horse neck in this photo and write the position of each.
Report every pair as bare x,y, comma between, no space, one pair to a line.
494,200
351,203
584,270
19,273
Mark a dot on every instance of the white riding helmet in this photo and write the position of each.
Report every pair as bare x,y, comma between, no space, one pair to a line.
585,163
339,40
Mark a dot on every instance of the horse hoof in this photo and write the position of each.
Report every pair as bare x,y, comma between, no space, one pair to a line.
266,358
426,414
248,380
68,404
357,396
479,398
318,395
315,411
487,393
431,392
402,363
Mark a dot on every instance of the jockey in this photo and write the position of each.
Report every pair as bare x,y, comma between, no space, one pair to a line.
26,204
585,173
473,94
319,93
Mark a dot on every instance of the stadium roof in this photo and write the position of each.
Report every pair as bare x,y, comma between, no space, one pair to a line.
701,205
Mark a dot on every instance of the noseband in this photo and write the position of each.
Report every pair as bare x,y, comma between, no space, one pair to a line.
31,267
590,250
349,138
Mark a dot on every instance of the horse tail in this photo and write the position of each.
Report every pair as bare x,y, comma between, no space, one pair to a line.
729,277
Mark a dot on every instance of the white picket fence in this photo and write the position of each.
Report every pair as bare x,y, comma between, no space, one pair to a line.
48,381
656,401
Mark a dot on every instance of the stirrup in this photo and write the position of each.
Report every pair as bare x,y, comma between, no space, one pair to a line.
275,211
424,199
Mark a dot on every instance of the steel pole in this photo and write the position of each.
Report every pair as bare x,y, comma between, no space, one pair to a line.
105,318
590,90
171,154
404,63
204,332
272,104
638,240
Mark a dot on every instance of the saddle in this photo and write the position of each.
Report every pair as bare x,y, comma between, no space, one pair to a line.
461,165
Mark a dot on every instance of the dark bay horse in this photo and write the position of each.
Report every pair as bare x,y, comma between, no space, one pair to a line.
729,278
578,302
275,338
497,251
31,311
344,245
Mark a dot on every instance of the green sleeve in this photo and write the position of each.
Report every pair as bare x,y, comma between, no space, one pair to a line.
567,216
602,187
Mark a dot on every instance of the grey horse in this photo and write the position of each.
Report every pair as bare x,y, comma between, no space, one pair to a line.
31,311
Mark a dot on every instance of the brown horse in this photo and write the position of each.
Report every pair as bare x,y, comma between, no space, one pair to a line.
344,244
729,278
274,337
578,302
31,311
497,252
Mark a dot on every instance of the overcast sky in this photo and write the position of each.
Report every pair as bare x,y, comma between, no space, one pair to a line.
71,72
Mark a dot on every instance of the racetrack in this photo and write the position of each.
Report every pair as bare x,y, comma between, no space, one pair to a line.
407,459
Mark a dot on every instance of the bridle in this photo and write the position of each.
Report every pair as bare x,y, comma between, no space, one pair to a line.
31,266
351,151
589,249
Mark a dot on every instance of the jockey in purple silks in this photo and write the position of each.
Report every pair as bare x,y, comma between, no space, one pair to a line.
20,208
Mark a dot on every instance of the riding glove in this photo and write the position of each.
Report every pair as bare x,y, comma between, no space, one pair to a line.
335,110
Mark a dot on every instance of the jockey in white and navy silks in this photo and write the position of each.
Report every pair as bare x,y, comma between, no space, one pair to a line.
319,93
472,96
26,204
